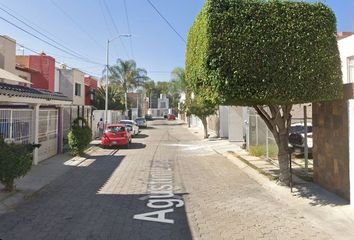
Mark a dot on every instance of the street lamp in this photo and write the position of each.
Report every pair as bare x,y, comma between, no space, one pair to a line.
107,71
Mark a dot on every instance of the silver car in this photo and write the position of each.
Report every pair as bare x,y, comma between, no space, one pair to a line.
141,122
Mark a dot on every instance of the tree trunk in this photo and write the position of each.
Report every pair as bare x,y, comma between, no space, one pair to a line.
278,120
205,125
218,123
126,103
283,158
9,185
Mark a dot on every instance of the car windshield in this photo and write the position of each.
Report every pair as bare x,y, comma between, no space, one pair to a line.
300,129
116,129
126,122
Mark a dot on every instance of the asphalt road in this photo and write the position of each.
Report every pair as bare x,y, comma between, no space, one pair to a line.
167,185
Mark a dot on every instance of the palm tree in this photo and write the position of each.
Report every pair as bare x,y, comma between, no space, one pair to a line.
179,76
149,88
114,98
128,76
177,85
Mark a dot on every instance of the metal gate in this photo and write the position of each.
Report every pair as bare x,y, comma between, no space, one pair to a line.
16,125
48,133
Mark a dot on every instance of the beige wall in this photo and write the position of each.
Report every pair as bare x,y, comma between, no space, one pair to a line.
8,58
7,54
22,74
78,77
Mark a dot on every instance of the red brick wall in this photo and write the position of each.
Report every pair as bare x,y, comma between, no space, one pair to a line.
90,85
45,65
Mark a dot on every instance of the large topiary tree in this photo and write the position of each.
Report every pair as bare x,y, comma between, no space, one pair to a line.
265,54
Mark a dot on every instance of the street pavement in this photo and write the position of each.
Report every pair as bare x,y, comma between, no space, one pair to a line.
168,185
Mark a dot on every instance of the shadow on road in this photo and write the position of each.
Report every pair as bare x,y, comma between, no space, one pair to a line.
135,145
88,202
141,135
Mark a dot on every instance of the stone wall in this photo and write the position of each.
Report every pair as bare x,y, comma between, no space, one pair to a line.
331,146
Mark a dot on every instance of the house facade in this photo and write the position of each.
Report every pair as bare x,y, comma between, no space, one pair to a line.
40,67
28,115
162,108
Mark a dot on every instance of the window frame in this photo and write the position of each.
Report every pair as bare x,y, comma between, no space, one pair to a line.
77,90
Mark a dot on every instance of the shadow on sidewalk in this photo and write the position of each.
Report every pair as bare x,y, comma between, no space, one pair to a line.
318,196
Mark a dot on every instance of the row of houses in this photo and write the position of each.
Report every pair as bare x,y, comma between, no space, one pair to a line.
39,100
332,122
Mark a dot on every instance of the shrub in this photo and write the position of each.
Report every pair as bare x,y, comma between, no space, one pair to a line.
15,162
79,136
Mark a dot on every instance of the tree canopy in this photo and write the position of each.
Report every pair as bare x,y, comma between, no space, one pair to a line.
265,54
115,97
248,52
127,74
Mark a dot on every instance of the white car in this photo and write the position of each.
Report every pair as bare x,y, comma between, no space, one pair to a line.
297,136
134,126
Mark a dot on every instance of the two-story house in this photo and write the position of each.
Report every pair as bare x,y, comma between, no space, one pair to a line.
79,88
28,114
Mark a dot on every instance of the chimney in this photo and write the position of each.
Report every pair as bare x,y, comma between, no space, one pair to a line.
62,66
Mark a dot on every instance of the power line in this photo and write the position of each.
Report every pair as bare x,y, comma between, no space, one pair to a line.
28,20
128,24
38,53
105,19
77,25
168,23
114,25
45,41
53,40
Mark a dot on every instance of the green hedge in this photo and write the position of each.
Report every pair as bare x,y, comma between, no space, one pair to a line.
15,162
80,136
246,52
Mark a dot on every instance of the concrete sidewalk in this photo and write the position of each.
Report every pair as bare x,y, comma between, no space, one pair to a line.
38,177
328,211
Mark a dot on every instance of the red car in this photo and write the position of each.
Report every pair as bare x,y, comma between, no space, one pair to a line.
171,117
116,135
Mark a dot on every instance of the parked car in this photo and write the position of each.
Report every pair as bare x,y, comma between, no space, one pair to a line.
171,117
297,137
141,122
148,117
116,135
134,127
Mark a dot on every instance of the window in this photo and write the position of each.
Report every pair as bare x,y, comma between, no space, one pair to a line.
351,69
77,89
163,105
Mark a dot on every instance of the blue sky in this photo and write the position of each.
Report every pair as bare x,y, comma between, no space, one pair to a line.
84,26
